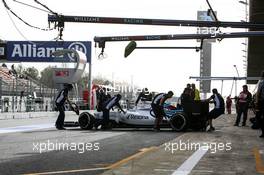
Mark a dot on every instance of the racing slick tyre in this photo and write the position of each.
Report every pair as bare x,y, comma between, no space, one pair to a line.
86,121
179,122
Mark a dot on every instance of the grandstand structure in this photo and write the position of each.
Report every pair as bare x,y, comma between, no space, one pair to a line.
21,93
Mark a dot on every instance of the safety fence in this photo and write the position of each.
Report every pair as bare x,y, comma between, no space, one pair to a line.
25,95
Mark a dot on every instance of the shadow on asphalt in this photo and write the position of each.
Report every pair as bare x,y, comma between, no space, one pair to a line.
41,131
27,154
145,130
76,129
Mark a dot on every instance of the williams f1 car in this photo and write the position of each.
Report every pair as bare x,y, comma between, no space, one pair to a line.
192,116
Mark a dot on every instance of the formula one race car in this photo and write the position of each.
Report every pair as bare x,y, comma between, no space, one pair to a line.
191,116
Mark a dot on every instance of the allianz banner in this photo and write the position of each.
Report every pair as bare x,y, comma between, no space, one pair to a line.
41,51
2,52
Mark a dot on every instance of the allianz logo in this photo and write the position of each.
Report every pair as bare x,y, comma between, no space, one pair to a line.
77,46
32,50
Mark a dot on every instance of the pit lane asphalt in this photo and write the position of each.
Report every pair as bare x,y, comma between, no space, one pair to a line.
19,157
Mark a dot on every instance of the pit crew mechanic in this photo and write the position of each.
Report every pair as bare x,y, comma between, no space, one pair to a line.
102,97
218,110
109,104
145,95
59,102
157,107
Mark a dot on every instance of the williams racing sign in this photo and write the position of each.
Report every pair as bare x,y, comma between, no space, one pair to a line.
41,51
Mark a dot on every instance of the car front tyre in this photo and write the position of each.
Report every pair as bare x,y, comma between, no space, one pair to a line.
86,121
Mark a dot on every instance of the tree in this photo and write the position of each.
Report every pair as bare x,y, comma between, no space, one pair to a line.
101,81
46,77
31,72
83,82
20,69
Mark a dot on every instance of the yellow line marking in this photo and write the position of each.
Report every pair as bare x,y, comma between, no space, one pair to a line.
259,164
141,152
102,164
67,171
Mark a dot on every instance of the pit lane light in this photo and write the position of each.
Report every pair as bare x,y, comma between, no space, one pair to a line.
133,45
130,48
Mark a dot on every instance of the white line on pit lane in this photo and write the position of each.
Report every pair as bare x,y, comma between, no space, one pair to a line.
26,128
191,162
198,171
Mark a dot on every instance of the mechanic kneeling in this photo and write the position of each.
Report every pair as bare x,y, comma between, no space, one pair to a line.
109,104
157,107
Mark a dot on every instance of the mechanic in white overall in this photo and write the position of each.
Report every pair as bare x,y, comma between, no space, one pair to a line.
157,107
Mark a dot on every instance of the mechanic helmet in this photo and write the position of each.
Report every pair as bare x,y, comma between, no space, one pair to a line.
119,96
69,86
170,93
214,91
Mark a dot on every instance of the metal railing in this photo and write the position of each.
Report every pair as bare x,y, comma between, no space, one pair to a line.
25,95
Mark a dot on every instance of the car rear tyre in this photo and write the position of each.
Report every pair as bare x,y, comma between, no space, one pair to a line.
86,121
179,122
